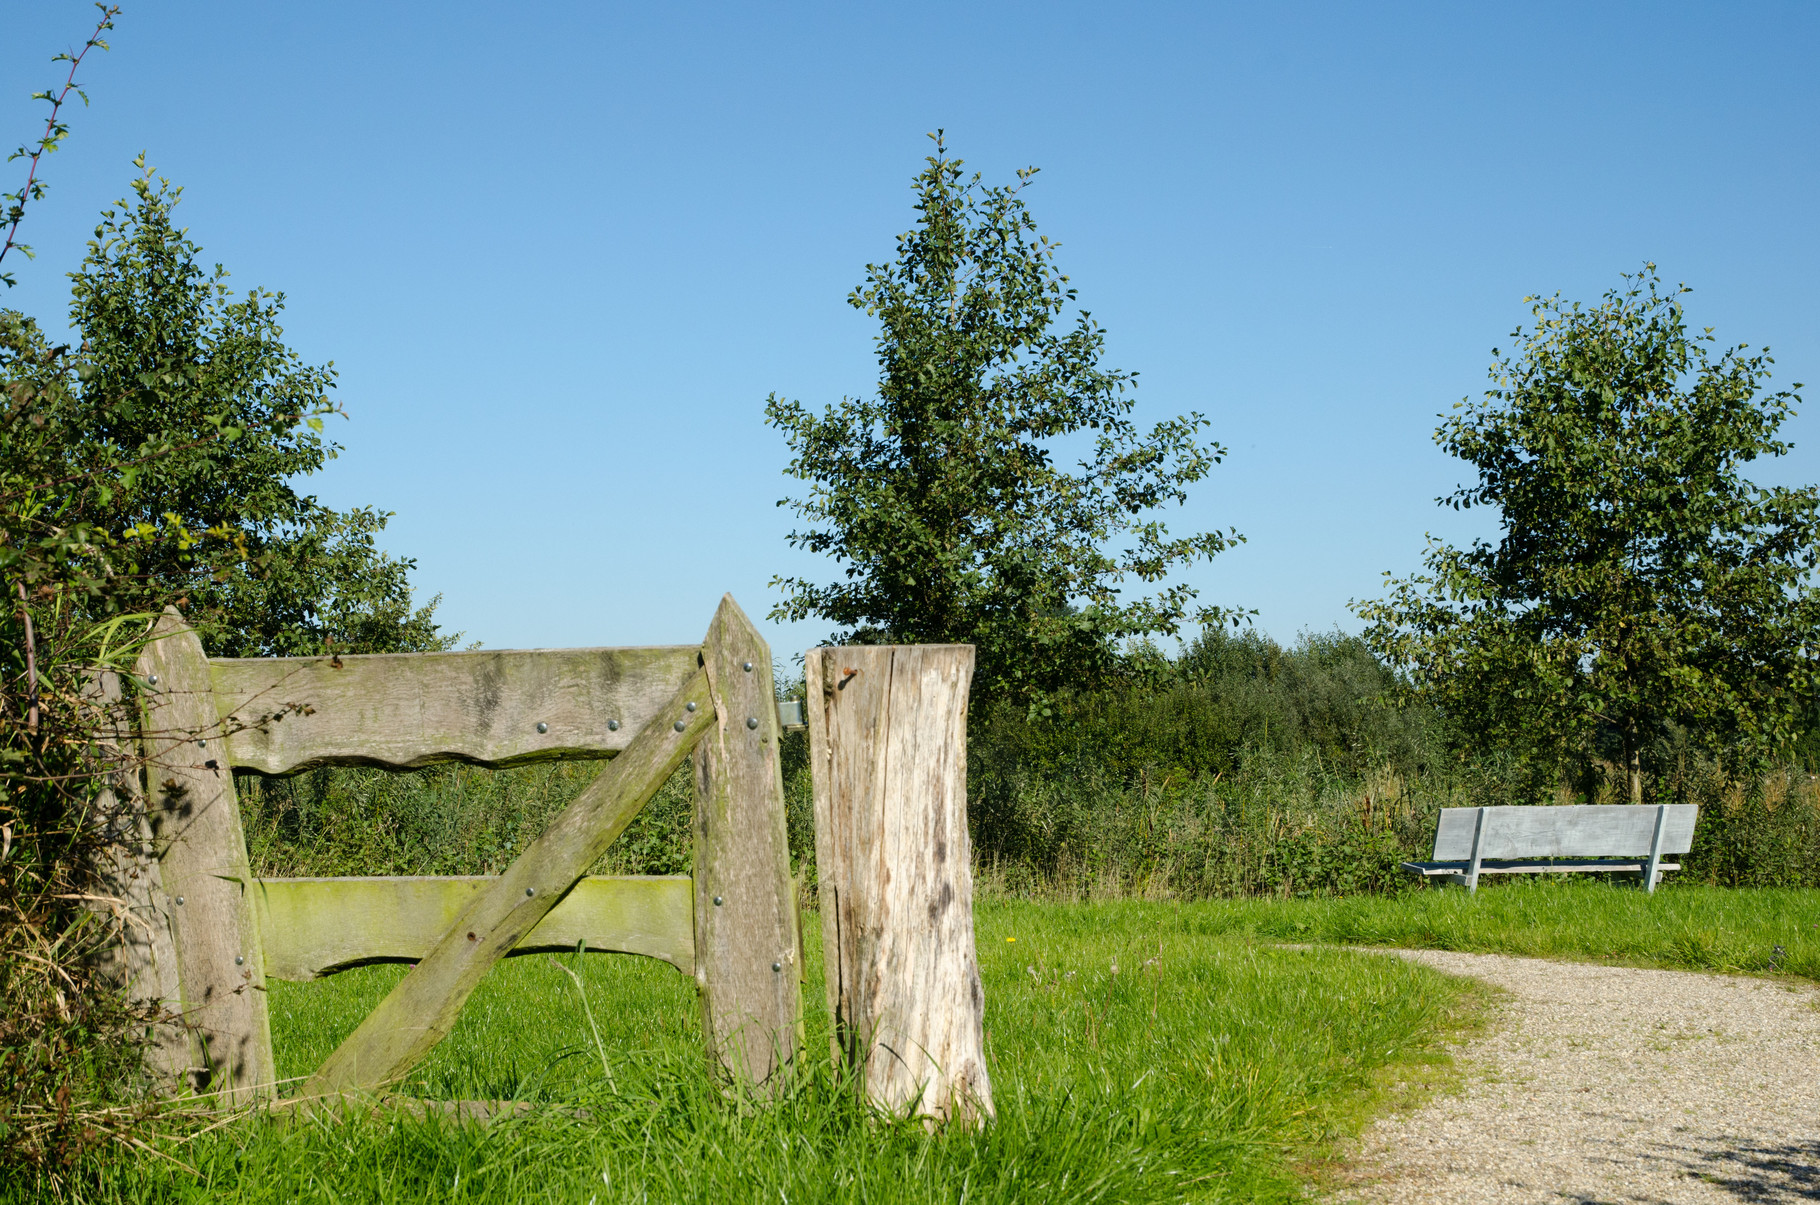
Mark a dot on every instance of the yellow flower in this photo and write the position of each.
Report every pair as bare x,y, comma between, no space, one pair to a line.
1011,939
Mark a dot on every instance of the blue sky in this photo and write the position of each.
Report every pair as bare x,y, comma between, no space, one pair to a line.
561,253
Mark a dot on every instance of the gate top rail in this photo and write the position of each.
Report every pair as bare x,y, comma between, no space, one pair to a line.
401,711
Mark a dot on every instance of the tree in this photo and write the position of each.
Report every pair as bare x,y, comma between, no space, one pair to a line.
943,496
170,360
1641,583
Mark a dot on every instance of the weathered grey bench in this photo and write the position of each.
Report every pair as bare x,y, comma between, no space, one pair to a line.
1470,842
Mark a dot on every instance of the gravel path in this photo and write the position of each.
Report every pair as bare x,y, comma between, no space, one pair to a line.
1609,1084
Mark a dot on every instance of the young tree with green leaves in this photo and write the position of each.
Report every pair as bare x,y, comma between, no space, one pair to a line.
171,360
150,459
1641,582
946,496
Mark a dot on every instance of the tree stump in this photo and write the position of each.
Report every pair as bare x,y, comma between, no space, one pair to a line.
888,739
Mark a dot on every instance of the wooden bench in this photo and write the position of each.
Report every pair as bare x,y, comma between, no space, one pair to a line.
1470,842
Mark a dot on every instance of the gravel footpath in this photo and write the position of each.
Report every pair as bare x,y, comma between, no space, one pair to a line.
1608,1084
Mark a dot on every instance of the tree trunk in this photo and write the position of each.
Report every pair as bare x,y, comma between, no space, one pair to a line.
888,742
1633,764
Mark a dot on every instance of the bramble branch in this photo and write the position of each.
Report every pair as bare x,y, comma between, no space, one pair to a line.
54,133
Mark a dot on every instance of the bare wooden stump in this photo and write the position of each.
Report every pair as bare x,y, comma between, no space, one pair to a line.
888,739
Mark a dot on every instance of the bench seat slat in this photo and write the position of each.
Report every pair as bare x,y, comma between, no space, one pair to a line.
1534,866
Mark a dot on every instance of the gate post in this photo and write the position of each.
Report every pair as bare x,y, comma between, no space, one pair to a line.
888,744
142,964
196,824
748,963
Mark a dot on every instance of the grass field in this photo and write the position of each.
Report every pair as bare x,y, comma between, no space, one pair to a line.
1681,927
1134,1059
1140,1051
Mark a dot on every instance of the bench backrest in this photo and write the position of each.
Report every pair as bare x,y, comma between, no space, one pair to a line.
1580,831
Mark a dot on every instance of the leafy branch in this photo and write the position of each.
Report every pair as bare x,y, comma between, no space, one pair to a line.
55,130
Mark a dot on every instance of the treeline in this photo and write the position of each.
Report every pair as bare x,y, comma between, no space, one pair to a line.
1638,628
1245,766
1238,767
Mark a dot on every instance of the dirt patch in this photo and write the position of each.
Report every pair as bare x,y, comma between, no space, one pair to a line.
1613,1084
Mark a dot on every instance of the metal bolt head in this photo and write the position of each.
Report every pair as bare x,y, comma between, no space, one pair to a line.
239,960
751,721
202,744
688,707
718,901
530,891
777,966
746,665
542,727
680,725
180,901
151,679
612,725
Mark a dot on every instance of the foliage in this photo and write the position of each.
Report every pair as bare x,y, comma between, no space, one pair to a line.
1241,768
1230,697
170,358
144,466
1641,584
1762,831
443,820
944,496
1134,1060
69,1041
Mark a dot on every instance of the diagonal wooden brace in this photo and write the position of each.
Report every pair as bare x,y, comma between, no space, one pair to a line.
422,1009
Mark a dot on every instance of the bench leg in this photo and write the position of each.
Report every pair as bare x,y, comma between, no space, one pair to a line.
1472,871
1651,871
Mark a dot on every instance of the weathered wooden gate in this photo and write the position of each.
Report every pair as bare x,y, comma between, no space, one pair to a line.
212,934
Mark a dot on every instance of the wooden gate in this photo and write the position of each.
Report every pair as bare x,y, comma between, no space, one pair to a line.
212,934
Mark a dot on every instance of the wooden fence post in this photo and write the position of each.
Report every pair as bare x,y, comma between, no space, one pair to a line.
888,741
747,961
196,823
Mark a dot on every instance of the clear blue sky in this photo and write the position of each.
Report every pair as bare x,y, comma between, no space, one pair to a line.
561,253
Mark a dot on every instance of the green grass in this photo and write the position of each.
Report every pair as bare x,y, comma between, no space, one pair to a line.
1683,927
1134,1058
1140,1051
